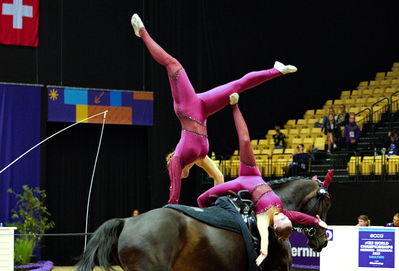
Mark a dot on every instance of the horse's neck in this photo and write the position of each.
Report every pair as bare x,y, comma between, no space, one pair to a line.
293,194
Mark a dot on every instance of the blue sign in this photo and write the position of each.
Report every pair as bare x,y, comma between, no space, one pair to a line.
377,248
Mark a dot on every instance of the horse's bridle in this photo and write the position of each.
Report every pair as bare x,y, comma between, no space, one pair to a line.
311,233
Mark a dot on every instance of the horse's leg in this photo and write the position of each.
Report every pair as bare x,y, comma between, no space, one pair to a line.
211,249
152,241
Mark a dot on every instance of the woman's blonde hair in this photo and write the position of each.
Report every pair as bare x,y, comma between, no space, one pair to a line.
365,218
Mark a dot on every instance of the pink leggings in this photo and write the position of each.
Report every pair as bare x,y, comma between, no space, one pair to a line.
193,109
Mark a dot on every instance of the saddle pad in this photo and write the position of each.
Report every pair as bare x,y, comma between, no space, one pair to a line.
214,216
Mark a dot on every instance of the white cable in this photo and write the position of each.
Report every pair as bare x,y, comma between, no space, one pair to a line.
91,181
44,140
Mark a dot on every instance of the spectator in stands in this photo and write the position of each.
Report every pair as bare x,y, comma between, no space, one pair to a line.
324,124
393,144
279,138
341,120
135,212
330,131
363,221
395,221
300,162
352,133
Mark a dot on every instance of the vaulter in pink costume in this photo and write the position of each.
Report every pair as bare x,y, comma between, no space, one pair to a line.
268,206
192,109
250,179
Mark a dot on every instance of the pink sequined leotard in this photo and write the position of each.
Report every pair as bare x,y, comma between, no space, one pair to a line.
192,109
250,179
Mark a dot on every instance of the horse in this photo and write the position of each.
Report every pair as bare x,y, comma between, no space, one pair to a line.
164,239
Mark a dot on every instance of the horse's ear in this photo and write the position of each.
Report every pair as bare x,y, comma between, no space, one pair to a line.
328,179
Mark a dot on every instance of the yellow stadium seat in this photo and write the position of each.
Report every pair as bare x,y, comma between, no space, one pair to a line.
234,165
395,83
378,92
278,151
256,152
270,134
338,102
362,85
360,101
311,122
367,165
262,142
356,94
320,143
380,76
290,124
354,109
235,152
297,141
316,131
393,164
304,132
390,90
367,92
268,152
301,123
345,94
392,74
308,114
373,84
385,83
308,143
353,165
254,142
328,103
293,132
378,164
371,100
289,151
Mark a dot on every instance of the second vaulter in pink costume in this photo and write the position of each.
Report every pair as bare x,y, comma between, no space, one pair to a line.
192,109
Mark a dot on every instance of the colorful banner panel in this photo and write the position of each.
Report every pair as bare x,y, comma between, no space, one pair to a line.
124,107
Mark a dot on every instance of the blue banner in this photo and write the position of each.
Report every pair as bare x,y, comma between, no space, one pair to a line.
377,248
20,125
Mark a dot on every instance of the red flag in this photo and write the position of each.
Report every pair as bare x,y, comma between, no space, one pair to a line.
19,22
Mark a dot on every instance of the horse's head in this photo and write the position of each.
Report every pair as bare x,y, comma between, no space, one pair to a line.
309,196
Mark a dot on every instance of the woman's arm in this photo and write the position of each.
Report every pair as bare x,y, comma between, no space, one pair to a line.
263,222
209,166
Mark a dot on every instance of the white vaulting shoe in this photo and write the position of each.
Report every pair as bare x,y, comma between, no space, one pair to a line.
284,68
137,24
234,98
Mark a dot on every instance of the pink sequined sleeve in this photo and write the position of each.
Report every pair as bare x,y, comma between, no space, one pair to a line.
298,218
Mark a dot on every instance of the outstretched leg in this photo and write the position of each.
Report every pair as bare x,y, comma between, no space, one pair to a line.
217,98
175,168
208,197
247,159
158,53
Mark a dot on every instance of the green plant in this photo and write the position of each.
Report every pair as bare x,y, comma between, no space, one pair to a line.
23,250
31,218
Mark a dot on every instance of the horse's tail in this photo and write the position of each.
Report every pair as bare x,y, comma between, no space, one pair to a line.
102,247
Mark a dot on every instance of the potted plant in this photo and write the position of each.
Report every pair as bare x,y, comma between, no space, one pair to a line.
31,218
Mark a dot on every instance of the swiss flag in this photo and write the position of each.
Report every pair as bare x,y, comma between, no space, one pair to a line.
19,22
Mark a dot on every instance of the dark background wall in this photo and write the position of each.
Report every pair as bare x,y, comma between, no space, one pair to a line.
91,44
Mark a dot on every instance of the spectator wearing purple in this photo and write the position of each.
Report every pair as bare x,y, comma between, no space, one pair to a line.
352,133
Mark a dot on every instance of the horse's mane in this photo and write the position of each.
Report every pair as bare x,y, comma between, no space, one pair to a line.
280,182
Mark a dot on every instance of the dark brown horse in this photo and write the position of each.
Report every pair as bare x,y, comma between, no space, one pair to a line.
166,240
